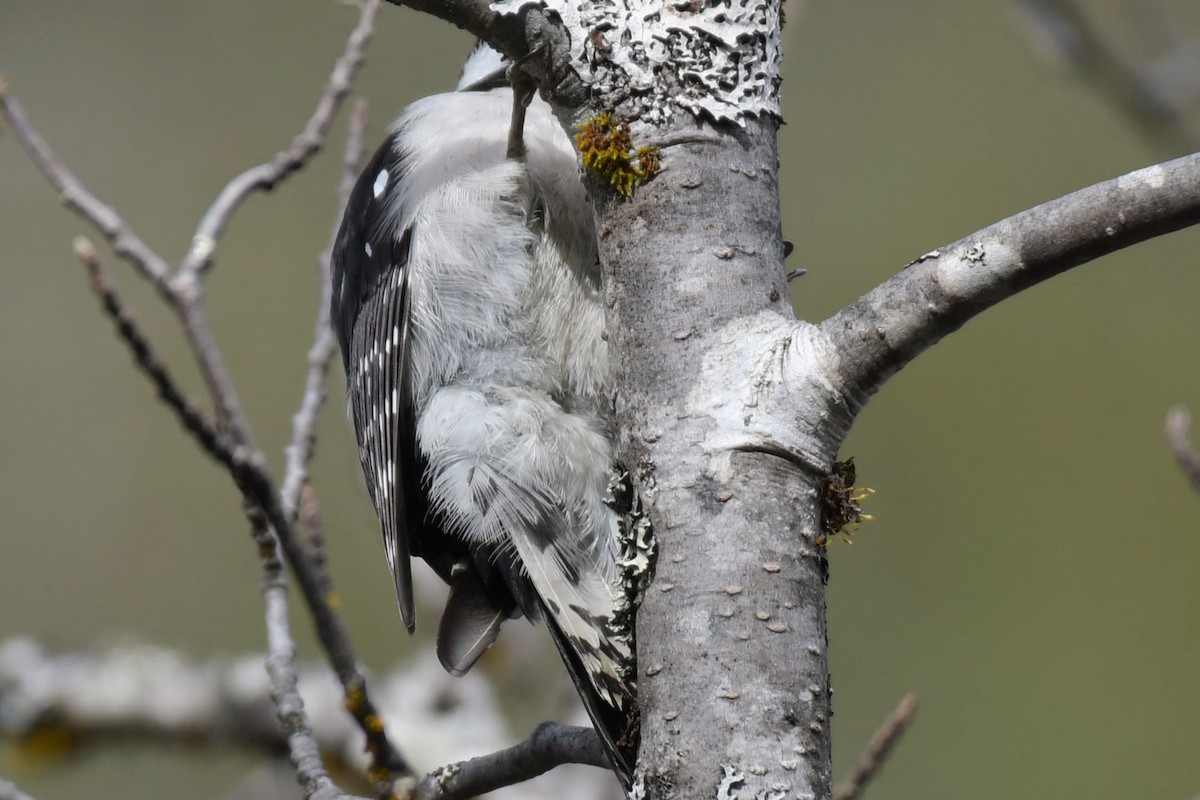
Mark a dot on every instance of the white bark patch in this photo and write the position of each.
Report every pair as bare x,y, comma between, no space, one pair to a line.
974,271
1150,177
765,385
730,779
721,60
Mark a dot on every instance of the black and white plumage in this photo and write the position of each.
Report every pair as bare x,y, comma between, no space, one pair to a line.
467,301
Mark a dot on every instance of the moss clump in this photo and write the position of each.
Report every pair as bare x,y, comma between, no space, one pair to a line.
841,513
606,146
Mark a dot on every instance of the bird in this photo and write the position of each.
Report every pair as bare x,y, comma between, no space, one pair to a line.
468,304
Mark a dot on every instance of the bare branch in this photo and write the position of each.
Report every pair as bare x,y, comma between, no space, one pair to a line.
878,749
1179,421
10,791
314,532
887,327
549,746
387,763
302,746
1141,94
307,143
193,419
516,35
281,667
477,17
304,424
228,701
134,690
75,196
235,446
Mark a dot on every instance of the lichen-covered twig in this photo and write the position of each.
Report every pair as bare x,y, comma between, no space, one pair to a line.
227,701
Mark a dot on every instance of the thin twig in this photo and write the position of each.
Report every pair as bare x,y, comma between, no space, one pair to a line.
878,749
262,506
304,424
307,143
387,765
1179,421
281,667
194,420
230,438
549,746
75,196
314,530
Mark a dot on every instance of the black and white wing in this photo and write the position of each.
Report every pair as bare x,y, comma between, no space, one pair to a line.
371,317
372,314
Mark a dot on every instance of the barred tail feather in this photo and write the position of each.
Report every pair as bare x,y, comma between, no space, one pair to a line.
617,727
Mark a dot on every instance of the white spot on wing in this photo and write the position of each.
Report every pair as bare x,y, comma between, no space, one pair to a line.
380,183
367,248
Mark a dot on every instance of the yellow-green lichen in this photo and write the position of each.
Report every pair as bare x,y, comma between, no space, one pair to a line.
606,147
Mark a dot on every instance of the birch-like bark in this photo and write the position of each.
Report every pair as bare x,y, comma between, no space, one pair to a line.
731,412
733,673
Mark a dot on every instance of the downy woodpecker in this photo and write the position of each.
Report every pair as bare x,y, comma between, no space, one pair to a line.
468,306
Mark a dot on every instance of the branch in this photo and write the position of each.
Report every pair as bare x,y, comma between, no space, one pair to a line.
878,749
304,146
140,692
304,424
230,438
876,335
549,746
1144,96
75,196
516,35
191,417
1178,423
281,648
281,667
507,32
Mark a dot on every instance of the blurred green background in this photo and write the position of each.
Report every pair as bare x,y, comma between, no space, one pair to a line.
1034,570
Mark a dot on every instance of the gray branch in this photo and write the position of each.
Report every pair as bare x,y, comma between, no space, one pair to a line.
882,743
139,692
938,293
515,36
304,424
550,745
477,17
307,143
230,438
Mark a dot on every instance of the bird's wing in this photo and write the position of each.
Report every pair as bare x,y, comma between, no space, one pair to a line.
371,315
